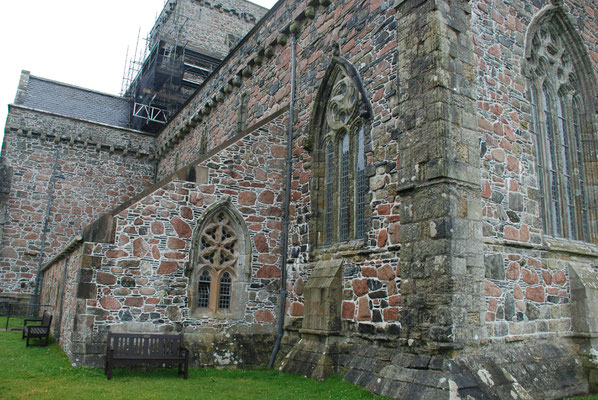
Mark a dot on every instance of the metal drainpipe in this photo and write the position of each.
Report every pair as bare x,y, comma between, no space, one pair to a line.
286,204
38,277
66,264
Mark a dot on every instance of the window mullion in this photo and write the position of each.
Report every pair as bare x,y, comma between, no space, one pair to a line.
344,217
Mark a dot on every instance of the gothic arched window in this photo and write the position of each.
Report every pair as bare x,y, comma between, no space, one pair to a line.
339,125
219,270
558,92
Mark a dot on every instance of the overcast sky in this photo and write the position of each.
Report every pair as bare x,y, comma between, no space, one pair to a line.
79,42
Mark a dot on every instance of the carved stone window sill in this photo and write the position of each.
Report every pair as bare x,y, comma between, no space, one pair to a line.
208,314
571,246
550,243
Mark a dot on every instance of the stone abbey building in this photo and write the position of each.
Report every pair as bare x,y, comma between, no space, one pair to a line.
408,189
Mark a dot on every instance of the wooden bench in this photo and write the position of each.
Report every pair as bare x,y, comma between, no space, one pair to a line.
38,331
127,349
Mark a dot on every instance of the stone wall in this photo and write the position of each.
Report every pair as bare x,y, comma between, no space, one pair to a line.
63,289
141,279
211,27
264,74
454,290
153,238
526,293
4,191
99,166
495,371
527,273
441,58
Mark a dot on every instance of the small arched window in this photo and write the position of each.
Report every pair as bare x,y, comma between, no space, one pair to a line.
191,175
556,71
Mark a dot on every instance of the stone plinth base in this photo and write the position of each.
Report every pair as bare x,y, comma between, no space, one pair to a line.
537,369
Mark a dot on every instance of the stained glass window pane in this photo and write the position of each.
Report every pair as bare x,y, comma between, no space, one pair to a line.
582,183
551,165
344,217
329,191
538,158
360,186
567,166
203,291
225,291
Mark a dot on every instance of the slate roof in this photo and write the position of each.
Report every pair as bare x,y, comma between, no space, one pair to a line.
76,102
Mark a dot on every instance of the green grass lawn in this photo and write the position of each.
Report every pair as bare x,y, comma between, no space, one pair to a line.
45,372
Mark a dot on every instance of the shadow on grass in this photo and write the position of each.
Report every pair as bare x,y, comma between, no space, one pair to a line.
14,323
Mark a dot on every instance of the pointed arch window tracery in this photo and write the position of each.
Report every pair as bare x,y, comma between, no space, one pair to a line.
557,94
217,260
340,125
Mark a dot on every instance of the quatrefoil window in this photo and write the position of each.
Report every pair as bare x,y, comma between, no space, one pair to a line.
218,243
218,256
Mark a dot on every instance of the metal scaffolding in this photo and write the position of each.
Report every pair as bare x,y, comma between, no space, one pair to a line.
159,79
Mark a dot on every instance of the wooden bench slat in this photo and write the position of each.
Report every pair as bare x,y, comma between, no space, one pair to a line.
136,348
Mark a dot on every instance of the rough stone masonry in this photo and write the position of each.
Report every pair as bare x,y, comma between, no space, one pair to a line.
442,213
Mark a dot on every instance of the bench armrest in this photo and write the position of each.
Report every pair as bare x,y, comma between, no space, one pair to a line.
108,347
32,320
